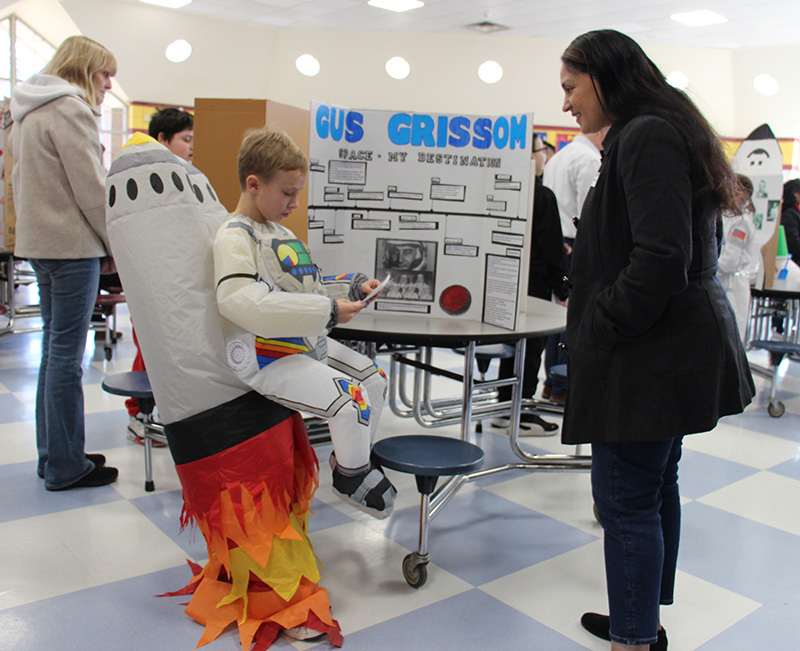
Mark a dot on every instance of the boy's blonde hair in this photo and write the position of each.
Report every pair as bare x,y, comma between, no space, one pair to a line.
77,59
267,150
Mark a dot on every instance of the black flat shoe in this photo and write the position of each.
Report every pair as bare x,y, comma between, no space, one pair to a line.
599,625
528,420
100,476
97,459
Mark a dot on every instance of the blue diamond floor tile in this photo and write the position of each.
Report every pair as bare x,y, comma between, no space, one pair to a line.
164,510
787,426
472,620
123,616
324,516
12,410
700,474
24,495
751,559
480,537
773,626
790,468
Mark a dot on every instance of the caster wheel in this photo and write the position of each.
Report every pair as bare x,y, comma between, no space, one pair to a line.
416,573
776,410
108,353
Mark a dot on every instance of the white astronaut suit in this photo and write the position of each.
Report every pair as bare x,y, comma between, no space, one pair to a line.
739,262
278,310
245,464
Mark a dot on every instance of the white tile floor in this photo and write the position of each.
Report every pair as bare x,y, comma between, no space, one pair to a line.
517,557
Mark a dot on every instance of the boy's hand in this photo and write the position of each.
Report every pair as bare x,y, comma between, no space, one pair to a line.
348,309
368,285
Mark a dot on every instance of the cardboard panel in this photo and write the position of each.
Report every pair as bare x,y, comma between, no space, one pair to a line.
220,124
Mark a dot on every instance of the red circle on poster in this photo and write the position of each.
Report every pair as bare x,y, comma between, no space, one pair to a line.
455,299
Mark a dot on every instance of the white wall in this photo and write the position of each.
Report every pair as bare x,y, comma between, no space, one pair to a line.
249,61
782,111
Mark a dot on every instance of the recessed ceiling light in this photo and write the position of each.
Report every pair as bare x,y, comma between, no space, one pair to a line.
397,68
699,18
178,51
487,27
766,84
490,72
307,65
171,4
678,80
396,5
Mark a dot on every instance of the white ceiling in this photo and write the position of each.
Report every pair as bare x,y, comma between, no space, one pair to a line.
751,23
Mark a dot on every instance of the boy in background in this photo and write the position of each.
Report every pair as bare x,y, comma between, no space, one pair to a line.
174,129
278,310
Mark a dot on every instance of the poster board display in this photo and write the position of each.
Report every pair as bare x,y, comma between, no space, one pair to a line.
759,157
439,201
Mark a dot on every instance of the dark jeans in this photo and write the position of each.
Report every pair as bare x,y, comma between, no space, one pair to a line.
635,490
533,360
67,294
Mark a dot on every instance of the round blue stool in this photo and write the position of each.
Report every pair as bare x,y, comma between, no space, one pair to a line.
427,458
136,384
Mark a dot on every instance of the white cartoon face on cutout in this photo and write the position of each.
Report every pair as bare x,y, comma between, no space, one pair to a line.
762,161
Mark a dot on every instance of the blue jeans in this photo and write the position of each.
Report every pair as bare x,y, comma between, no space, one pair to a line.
67,294
635,490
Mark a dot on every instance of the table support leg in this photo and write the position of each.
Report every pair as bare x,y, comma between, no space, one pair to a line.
469,387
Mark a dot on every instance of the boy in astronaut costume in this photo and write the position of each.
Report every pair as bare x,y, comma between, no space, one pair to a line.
278,310
247,470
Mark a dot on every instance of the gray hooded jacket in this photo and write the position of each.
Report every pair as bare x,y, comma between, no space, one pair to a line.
58,176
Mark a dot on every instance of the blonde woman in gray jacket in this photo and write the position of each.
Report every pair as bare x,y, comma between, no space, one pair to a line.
59,194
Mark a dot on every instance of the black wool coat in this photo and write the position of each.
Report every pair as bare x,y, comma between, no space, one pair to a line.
654,351
790,220
548,259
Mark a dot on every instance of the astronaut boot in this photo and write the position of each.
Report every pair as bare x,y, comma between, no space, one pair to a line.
365,488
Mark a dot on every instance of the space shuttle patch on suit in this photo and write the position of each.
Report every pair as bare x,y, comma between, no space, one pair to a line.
292,266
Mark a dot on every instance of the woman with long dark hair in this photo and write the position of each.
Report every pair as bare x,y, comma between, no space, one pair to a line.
654,352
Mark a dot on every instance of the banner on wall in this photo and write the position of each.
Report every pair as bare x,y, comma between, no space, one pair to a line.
437,201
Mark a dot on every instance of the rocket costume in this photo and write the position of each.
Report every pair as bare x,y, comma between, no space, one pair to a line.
245,464
277,311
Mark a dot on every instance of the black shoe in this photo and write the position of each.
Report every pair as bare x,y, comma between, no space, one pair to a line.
599,625
528,421
97,459
100,476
